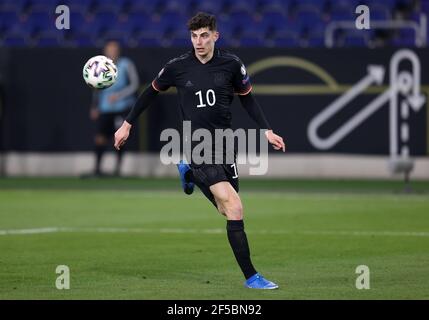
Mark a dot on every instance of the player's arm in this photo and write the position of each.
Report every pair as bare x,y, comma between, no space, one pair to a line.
143,102
255,111
242,87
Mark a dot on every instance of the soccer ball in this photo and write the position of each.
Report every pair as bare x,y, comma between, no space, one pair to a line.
100,72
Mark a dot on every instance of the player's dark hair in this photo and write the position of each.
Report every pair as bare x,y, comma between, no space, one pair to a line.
202,20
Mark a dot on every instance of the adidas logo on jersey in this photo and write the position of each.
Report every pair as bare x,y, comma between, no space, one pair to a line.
189,84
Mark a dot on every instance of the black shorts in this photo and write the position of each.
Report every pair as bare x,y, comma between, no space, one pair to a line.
206,175
108,123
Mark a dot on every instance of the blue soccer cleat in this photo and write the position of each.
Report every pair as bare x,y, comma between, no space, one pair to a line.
257,281
188,187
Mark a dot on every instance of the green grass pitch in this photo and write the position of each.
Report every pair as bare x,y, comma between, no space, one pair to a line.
144,239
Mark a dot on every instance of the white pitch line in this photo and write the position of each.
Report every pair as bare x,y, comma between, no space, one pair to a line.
28,231
209,231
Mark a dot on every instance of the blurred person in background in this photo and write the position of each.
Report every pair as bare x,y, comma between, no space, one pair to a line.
111,105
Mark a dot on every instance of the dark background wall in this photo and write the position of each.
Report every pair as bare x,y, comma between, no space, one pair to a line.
46,102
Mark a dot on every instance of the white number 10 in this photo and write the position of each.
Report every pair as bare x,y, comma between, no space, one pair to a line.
210,98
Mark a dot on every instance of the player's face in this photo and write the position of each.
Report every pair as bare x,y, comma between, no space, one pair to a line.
111,50
203,41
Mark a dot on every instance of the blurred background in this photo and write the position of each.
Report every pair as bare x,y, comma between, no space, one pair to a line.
254,23
302,56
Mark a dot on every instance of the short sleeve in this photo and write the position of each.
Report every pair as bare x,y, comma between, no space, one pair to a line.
241,80
165,78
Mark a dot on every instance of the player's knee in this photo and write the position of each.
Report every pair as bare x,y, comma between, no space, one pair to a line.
234,210
220,207
221,210
229,203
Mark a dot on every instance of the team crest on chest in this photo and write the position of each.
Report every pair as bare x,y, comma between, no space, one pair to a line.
219,78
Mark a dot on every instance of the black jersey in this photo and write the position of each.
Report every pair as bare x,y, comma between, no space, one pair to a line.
205,90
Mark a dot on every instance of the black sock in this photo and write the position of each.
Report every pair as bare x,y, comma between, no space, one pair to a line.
238,241
99,150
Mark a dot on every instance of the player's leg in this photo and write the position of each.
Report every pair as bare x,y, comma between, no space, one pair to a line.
219,183
100,148
229,204
118,119
101,141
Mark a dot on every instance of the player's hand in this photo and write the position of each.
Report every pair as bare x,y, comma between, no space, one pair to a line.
113,98
275,140
121,135
94,114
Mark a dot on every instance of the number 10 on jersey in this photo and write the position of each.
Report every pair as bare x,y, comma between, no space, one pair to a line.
210,98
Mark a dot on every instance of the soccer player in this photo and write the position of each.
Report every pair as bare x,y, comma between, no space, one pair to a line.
206,79
111,105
